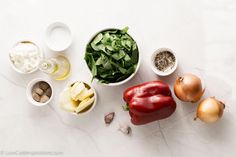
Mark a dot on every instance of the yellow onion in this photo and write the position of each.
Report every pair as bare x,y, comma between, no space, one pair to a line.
188,88
210,110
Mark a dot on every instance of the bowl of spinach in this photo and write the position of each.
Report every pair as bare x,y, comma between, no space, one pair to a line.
112,56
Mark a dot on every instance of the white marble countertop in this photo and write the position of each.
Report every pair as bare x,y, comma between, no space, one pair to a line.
203,35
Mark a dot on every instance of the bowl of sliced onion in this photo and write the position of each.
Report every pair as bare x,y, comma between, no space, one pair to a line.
78,98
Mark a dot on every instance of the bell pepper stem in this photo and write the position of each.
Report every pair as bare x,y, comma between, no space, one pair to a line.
125,107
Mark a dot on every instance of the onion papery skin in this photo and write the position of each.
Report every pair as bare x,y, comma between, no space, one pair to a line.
188,88
210,110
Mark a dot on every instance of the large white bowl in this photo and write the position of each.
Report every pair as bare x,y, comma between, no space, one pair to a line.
120,82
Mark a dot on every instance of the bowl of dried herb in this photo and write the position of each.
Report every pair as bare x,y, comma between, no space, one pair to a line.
164,62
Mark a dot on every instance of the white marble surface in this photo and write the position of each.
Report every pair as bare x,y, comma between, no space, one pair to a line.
203,35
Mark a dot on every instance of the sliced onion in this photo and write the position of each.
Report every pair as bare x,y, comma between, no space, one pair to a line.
188,88
210,110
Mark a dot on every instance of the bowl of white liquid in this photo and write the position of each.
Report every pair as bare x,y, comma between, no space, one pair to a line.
58,36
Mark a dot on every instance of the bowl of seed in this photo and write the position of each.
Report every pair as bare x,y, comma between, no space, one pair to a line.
39,92
164,62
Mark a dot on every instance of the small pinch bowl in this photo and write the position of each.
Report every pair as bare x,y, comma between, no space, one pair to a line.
30,88
158,72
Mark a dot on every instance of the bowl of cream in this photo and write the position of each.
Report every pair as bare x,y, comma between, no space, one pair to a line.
25,57
58,37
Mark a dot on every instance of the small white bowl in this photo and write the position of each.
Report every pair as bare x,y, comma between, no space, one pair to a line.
58,36
120,82
33,70
161,73
93,105
30,88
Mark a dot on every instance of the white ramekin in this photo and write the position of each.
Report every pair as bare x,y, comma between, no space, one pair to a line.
33,70
57,47
29,92
158,72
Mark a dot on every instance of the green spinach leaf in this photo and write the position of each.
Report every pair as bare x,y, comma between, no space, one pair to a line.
112,55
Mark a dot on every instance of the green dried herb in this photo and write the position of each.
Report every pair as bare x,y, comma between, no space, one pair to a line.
164,61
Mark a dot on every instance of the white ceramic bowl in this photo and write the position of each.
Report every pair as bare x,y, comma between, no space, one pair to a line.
123,81
33,70
58,36
161,73
30,88
94,103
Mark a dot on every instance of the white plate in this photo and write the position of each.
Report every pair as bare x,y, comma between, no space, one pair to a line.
58,36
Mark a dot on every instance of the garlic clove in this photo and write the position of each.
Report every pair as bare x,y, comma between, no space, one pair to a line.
109,117
125,129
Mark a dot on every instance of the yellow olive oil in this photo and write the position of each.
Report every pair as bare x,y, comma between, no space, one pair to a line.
57,67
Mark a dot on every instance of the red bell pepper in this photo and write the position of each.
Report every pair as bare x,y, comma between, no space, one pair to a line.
149,102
